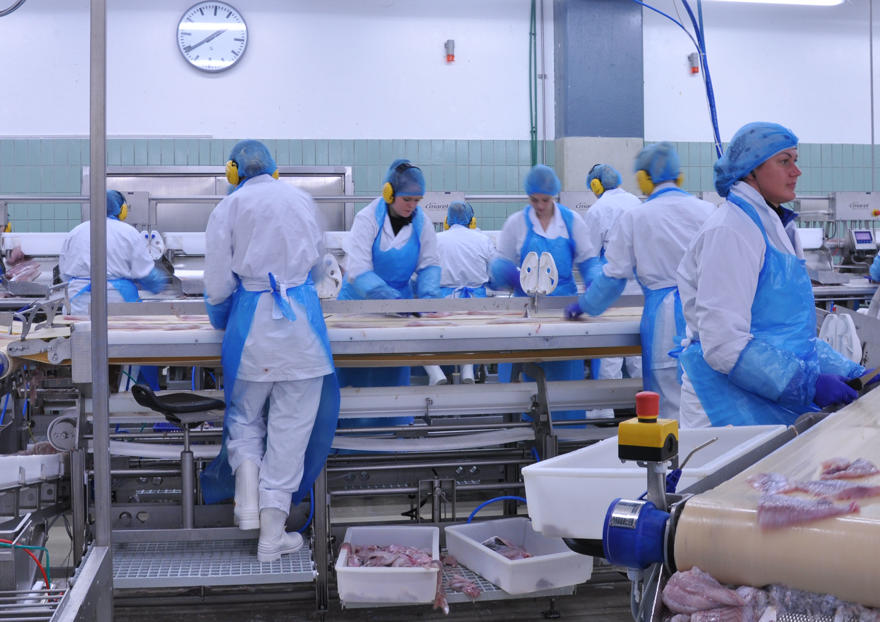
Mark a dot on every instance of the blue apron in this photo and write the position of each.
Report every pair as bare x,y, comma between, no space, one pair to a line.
395,266
218,481
147,374
563,251
783,315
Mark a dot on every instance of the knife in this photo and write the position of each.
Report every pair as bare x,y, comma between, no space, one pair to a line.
861,382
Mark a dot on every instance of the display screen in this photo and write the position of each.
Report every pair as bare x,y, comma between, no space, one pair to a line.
863,237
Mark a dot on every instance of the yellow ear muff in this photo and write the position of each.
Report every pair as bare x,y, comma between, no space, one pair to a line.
275,174
646,184
232,172
445,224
597,187
388,193
123,212
473,223
679,180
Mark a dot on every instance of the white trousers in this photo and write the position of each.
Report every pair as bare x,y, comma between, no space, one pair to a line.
612,369
278,447
669,391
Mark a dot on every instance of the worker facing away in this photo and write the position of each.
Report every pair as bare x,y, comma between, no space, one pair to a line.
752,355
649,241
543,226
390,253
129,264
465,253
612,201
282,396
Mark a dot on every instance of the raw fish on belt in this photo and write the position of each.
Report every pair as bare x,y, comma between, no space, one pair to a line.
841,468
776,510
695,590
776,483
771,483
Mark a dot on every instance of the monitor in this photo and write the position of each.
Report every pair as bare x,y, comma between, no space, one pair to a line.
863,239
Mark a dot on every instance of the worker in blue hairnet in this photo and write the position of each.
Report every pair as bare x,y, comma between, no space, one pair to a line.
129,264
263,249
390,253
649,240
465,253
543,226
752,355
612,201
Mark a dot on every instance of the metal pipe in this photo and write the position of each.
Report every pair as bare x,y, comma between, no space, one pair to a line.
427,465
408,490
871,80
543,77
98,272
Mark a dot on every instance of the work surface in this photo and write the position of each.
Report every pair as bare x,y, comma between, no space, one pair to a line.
355,340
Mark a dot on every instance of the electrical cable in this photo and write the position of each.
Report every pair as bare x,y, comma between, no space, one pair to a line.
27,549
493,500
3,414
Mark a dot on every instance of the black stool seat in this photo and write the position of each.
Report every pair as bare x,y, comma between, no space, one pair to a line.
187,409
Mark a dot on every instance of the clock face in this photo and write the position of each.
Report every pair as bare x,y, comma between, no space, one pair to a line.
212,36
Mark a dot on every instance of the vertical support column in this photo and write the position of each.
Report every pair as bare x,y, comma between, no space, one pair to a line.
78,503
321,552
599,88
98,312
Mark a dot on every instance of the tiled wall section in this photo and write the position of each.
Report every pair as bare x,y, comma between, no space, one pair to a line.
54,167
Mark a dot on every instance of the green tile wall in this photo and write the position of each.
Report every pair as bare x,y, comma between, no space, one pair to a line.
53,166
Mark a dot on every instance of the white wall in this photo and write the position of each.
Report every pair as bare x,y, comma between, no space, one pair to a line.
313,69
804,67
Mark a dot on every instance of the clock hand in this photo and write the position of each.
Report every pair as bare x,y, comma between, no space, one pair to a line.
210,37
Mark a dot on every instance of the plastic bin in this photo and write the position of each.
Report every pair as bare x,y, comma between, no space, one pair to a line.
569,495
552,564
386,584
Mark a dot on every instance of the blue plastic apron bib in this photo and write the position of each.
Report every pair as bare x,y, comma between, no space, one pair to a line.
563,251
783,314
396,267
218,481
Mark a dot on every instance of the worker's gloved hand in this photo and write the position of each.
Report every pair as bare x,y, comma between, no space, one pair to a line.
371,286
573,311
875,269
832,389
154,282
503,274
428,283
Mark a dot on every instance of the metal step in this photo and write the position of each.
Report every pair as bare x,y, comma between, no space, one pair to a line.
205,563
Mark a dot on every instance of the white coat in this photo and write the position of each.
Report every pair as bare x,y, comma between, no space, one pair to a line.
603,214
464,257
266,226
128,257
358,244
718,311
650,240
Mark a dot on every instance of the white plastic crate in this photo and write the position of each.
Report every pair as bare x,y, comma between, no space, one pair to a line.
552,564
386,584
569,495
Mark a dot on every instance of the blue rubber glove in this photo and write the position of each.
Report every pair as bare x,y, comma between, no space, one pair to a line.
832,389
371,286
504,274
428,283
573,311
218,314
875,269
154,282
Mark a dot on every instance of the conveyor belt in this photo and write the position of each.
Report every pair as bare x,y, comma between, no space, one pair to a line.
718,530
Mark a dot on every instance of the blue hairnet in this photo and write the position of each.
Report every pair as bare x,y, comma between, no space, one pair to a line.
542,180
114,203
660,161
606,174
252,158
459,213
406,179
753,144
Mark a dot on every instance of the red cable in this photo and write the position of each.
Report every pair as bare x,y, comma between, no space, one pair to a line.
33,557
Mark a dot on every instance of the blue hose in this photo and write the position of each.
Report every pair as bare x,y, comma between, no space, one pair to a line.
535,454
3,414
193,383
501,498
311,512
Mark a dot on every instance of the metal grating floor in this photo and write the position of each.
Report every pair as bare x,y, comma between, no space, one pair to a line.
204,563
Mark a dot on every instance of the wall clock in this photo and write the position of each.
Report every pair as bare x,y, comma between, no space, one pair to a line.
212,36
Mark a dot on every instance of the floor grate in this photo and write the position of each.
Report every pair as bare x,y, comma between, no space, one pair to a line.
204,563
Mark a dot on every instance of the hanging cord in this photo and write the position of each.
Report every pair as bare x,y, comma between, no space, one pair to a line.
700,44
501,498
533,85
27,549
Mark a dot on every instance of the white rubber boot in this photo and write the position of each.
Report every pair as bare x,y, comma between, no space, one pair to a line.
435,375
467,374
246,512
274,541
